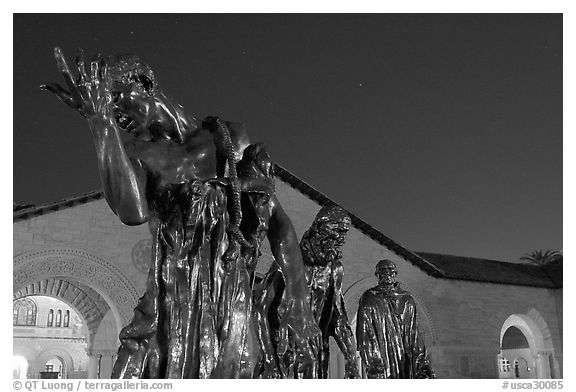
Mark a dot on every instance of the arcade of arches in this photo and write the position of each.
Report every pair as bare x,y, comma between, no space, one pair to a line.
78,273
50,339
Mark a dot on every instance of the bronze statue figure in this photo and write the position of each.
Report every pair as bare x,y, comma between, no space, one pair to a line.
208,198
387,332
322,252
321,249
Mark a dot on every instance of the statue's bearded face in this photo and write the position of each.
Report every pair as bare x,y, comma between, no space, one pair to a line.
329,239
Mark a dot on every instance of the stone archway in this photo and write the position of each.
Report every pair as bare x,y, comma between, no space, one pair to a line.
89,305
521,368
76,265
97,289
62,355
539,354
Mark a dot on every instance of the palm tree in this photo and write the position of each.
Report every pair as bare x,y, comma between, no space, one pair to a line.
540,257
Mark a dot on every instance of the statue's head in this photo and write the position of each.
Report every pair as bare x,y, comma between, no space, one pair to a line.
140,107
327,235
386,272
124,69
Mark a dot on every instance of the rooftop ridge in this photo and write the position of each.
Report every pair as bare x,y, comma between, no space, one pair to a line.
357,222
37,210
493,271
469,258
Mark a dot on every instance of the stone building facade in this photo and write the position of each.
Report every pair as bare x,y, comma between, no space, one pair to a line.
77,251
50,337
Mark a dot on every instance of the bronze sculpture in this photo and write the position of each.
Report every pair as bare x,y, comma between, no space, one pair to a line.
321,249
387,332
322,252
207,209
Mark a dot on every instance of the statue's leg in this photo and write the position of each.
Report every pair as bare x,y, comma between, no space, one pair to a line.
139,355
264,298
135,341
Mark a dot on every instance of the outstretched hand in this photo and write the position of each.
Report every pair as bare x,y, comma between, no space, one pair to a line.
90,94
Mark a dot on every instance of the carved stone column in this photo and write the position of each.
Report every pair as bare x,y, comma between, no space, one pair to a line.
93,365
543,365
106,364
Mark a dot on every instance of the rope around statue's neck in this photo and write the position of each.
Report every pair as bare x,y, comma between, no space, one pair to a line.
236,240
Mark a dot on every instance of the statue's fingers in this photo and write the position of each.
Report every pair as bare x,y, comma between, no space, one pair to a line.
283,340
63,67
315,344
57,90
102,70
94,73
105,82
81,65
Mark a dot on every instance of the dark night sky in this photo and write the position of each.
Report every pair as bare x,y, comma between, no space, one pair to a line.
442,131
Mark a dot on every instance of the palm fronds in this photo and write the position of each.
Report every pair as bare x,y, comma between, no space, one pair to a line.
540,257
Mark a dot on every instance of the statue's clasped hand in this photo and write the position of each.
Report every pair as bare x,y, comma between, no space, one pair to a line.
90,95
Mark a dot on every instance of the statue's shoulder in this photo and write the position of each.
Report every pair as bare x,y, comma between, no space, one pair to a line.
400,291
370,294
406,296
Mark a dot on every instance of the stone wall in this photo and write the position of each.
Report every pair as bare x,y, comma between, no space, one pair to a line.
92,228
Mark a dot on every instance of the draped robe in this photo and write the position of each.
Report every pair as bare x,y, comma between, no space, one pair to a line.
196,318
387,334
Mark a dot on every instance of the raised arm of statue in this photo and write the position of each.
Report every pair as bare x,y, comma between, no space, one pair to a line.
297,317
123,179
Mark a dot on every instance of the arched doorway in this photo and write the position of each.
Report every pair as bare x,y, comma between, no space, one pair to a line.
55,365
19,367
521,368
526,349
